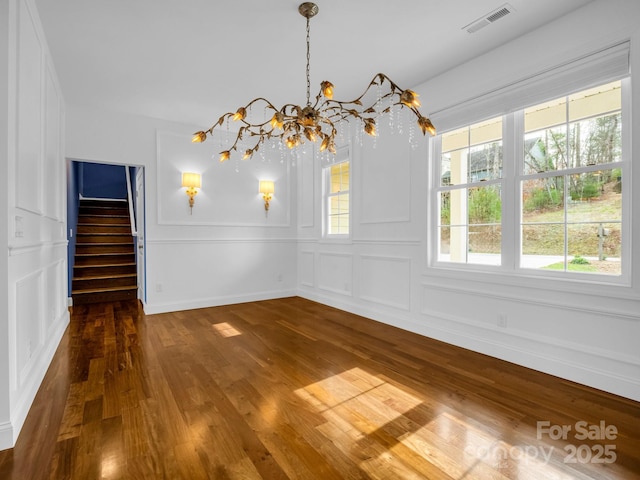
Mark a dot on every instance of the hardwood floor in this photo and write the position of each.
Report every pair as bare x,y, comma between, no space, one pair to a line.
291,389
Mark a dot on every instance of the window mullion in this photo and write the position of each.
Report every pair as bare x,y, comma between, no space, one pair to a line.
512,143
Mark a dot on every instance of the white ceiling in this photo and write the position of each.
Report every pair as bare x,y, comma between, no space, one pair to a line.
192,60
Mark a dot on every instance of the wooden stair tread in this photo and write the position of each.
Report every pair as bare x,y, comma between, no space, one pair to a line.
105,289
104,265
105,244
107,254
105,277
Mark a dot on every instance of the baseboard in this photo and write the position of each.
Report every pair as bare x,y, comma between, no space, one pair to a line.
39,369
6,436
154,308
612,373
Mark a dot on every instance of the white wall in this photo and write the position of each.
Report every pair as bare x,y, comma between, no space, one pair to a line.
34,313
586,333
227,250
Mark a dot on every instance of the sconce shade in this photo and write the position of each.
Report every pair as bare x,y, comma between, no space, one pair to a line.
266,187
191,180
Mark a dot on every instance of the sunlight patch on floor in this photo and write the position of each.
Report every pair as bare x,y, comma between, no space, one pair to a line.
226,330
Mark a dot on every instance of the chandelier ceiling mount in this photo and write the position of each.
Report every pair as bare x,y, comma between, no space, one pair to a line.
315,122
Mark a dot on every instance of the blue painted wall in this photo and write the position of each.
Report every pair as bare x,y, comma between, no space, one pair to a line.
103,181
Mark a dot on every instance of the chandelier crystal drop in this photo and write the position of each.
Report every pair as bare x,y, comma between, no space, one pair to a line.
315,122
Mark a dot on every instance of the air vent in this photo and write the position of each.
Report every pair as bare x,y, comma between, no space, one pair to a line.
489,18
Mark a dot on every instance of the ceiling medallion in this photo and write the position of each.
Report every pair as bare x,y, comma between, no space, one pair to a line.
316,122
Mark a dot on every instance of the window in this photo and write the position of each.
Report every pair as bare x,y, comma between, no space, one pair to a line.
470,200
571,184
539,189
336,197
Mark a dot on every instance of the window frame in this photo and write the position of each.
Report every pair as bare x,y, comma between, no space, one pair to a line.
513,175
342,156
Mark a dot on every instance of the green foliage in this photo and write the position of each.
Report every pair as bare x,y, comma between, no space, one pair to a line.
587,188
485,205
543,198
578,260
572,267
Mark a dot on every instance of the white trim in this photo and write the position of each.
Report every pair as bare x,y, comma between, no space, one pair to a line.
208,241
609,63
155,308
534,299
35,247
533,352
6,435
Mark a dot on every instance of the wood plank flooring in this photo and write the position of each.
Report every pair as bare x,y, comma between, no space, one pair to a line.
291,389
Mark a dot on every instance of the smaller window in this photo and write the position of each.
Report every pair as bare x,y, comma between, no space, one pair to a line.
470,194
336,199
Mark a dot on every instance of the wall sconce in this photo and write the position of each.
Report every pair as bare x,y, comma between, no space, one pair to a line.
192,182
266,188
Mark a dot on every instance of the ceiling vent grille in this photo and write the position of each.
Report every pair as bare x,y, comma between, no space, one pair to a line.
489,18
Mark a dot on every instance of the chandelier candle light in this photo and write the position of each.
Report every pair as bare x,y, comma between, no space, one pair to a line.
292,123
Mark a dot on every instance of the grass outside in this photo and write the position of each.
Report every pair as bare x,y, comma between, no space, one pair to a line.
543,233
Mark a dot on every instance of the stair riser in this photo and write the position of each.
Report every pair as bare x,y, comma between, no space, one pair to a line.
82,299
113,228
97,238
105,259
103,203
121,220
92,248
103,211
110,270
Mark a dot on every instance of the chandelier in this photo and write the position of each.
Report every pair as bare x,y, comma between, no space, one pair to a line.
315,122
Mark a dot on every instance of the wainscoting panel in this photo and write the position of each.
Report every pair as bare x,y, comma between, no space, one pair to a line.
30,106
53,185
386,178
386,280
29,332
335,272
307,269
582,345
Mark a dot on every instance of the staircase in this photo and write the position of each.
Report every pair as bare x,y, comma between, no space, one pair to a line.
105,258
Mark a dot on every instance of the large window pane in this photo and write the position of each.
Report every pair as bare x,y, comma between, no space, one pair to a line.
543,200
570,205
485,244
472,154
545,150
595,196
542,246
595,141
339,214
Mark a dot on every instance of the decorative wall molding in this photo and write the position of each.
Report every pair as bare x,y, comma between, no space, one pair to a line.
38,369
533,352
335,272
27,335
35,247
538,301
211,241
408,242
307,261
511,333
382,277
542,353
384,186
216,301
